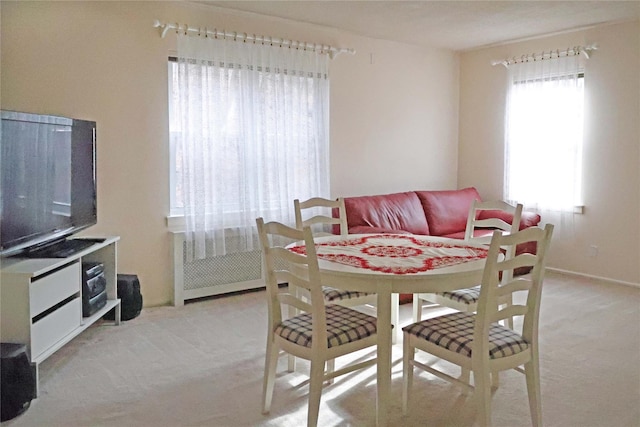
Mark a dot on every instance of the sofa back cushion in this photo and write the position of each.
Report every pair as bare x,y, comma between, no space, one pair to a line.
391,212
447,211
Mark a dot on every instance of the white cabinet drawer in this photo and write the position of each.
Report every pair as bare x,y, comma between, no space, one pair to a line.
55,326
54,288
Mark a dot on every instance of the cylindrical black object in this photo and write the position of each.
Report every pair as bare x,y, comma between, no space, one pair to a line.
18,382
130,297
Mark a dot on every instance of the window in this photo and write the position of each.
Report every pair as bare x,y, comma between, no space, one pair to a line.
544,136
248,135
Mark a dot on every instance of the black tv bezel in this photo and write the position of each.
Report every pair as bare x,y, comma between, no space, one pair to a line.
34,242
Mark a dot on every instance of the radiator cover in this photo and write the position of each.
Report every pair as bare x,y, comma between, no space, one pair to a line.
215,275
222,270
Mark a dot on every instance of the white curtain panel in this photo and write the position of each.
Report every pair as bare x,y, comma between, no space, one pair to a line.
253,136
543,134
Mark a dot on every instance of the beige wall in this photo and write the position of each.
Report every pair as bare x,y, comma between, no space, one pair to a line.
393,108
611,219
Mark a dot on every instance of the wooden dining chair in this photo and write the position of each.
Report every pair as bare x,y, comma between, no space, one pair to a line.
320,221
317,214
478,342
506,218
321,331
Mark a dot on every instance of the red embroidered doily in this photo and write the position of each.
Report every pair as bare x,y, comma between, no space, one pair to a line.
395,253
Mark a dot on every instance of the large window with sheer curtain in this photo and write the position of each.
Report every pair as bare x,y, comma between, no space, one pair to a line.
544,134
249,133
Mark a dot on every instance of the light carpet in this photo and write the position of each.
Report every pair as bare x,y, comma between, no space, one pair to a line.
202,365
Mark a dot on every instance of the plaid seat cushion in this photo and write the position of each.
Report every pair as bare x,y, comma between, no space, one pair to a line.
344,325
465,296
333,294
455,333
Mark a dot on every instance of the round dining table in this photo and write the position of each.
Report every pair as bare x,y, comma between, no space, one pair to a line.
391,264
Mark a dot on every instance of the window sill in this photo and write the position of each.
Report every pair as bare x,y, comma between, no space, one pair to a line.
175,223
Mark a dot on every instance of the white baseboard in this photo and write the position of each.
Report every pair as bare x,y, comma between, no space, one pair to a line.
590,276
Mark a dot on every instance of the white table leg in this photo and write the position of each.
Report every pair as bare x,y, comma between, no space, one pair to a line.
395,317
384,310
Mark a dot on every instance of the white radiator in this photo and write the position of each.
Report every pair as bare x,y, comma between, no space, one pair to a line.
213,276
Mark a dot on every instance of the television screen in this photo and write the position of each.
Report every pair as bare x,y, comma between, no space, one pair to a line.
47,179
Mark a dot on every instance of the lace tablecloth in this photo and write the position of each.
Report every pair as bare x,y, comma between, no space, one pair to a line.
395,253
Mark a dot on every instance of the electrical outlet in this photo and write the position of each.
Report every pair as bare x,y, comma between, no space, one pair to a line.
593,251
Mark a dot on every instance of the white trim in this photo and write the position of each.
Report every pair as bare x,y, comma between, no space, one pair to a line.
590,276
178,270
222,289
175,223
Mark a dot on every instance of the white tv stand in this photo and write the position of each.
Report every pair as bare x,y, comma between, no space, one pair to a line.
41,298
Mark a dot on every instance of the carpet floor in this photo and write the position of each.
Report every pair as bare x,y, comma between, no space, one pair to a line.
202,365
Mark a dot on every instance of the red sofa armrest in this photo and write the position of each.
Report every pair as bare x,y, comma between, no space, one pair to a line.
528,219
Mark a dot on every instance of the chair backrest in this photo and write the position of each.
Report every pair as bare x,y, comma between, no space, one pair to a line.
319,212
502,216
280,265
500,212
493,288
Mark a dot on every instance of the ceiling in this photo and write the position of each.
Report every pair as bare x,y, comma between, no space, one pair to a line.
456,25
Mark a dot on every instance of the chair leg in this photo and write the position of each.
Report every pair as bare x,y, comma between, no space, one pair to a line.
408,355
510,319
315,391
532,372
482,383
465,376
331,366
292,311
417,308
271,361
495,380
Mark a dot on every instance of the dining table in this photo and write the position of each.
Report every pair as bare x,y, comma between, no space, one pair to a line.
391,264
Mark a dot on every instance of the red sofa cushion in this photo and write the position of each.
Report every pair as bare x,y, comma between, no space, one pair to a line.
447,211
398,211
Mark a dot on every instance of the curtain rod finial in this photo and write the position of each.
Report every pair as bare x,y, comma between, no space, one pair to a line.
163,27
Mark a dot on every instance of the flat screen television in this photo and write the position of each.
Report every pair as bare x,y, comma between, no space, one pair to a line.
47,180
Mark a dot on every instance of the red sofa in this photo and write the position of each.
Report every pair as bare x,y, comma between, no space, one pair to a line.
433,213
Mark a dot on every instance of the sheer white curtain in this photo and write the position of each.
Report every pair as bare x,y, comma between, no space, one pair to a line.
251,126
544,132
